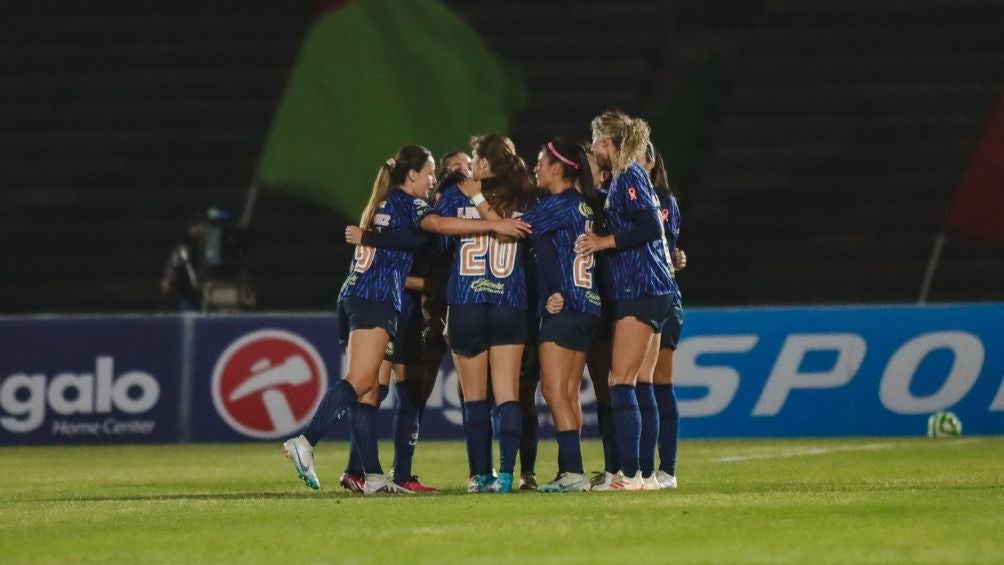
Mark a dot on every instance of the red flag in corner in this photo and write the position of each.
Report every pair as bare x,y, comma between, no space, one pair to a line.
977,210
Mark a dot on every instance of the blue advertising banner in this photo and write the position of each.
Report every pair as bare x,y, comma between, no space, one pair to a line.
840,371
770,372
89,379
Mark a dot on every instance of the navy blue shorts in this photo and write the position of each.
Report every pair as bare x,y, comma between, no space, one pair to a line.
360,314
569,329
652,310
671,331
473,328
406,348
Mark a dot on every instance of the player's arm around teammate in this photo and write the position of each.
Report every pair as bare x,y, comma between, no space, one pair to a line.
487,300
639,278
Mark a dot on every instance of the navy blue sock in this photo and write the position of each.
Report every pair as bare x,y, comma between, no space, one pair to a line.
355,465
334,406
528,442
627,422
649,427
605,421
363,418
669,416
477,423
409,393
510,422
569,452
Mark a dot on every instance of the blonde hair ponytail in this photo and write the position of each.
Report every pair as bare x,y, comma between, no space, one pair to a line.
629,135
381,187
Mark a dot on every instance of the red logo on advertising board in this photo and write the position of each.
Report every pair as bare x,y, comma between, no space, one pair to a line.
268,383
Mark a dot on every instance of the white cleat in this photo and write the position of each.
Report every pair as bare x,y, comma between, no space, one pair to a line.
377,483
633,484
665,479
566,482
301,453
601,482
651,483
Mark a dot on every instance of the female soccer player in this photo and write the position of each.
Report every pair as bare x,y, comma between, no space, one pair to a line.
371,300
669,414
638,279
487,309
571,313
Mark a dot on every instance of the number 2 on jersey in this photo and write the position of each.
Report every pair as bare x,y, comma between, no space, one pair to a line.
479,252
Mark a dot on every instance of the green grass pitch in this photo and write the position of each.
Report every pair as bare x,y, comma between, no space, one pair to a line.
869,500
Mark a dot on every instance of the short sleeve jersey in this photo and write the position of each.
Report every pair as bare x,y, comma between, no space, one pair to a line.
379,274
565,217
485,270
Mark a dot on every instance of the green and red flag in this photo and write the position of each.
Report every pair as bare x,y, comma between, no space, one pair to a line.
371,76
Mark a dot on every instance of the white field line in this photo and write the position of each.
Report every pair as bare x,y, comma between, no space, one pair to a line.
824,450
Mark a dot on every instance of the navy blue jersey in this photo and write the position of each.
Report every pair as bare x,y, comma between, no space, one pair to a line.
645,269
671,225
485,270
671,221
565,217
379,274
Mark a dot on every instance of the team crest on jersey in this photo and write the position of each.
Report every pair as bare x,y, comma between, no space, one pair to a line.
383,205
585,210
382,220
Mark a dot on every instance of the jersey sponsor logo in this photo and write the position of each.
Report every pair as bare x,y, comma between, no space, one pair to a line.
468,212
382,220
585,210
268,383
485,285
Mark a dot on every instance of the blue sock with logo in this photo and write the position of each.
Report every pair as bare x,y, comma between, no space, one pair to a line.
363,417
334,406
355,465
409,393
649,427
569,452
510,422
627,422
605,422
477,421
669,416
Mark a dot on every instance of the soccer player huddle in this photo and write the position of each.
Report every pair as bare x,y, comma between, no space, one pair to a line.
540,278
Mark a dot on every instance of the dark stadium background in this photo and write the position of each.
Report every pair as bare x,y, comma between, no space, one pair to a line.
816,146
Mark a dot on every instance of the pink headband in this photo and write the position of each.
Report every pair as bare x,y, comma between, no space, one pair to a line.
562,158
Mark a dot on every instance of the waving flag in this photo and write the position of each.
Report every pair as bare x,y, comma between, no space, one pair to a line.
374,75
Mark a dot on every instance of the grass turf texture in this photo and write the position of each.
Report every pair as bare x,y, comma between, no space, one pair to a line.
879,500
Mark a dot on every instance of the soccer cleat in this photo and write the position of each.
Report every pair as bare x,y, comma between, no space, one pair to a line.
301,453
412,484
352,483
566,482
528,481
481,483
502,485
633,484
601,481
377,483
651,482
665,479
